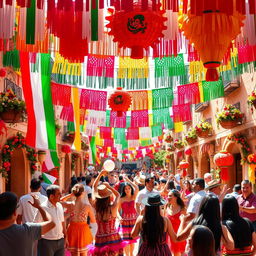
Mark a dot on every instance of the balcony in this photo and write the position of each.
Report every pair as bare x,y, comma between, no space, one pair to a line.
230,87
10,85
201,106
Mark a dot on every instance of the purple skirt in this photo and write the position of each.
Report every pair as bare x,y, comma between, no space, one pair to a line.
159,250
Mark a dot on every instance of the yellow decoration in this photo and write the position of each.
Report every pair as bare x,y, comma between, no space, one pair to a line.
251,173
178,127
76,109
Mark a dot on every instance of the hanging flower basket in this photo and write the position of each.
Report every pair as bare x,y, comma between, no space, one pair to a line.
203,129
203,134
191,140
229,117
69,137
11,116
168,138
11,107
171,148
229,124
251,100
179,144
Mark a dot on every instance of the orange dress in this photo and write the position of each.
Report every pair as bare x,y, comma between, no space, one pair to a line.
175,246
79,233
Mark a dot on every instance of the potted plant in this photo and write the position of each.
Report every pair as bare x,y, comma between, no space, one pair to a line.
179,144
191,136
203,129
11,107
170,148
251,100
168,138
69,137
229,117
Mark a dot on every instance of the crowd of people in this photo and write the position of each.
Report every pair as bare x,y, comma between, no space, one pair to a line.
145,213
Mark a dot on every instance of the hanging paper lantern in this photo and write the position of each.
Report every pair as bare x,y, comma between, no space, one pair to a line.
136,28
211,33
184,165
65,149
2,72
223,160
120,101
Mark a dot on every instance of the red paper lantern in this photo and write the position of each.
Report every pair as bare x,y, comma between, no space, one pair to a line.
223,160
120,101
136,29
2,72
184,165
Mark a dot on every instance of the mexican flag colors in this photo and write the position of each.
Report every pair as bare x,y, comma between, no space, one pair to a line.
36,83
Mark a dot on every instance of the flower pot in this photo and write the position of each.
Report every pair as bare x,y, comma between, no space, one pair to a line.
171,149
203,134
168,139
41,156
178,146
229,124
69,138
11,116
191,140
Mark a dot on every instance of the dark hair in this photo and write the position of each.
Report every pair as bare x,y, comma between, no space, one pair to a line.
241,229
203,243
120,178
237,187
83,178
171,185
152,226
102,206
123,194
209,216
8,205
88,179
246,182
35,184
180,202
79,179
200,182
51,190
78,189
148,179
41,178
163,181
187,182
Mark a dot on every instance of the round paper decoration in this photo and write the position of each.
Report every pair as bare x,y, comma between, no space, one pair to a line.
136,29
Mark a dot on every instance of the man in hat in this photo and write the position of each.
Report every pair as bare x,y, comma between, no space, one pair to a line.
215,187
247,202
149,188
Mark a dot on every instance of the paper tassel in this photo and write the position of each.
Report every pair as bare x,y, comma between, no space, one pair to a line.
106,132
139,100
96,100
7,24
30,23
162,98
139,118
157,130
188,93
94,20
61,94
116,121
145,133
181,113
132,133
12,59
162,116
213,90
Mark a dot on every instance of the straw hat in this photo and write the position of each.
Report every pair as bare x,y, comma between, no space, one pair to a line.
141,180
213,184
153,199
102,192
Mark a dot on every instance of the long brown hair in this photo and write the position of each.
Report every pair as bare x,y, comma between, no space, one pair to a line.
152,226
102,207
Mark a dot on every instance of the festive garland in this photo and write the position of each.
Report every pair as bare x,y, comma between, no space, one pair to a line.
241,139
12,143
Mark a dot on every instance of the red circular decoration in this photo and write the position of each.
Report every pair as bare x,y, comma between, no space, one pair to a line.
183,164
223,159
136,29
188,152
2,72
120,101
65,149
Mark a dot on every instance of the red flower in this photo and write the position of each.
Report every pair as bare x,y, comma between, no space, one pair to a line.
6,164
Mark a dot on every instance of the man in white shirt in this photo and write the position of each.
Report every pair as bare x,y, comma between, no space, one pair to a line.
53,243
195,202
149,188
25,211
